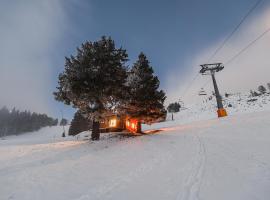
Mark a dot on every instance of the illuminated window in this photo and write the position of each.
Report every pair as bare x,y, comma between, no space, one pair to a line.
132,125
112,123
127,123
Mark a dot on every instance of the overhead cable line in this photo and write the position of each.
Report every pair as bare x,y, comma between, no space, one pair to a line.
234,30
245,48
206,83
189,85
231,34
223,44
242,51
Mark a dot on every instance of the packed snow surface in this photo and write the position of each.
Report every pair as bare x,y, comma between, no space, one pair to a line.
207,159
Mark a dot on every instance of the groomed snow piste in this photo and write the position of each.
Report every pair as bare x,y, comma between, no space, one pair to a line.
209,159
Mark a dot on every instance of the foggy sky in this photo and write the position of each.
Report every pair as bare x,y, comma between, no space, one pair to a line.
30,33
177,36
245,73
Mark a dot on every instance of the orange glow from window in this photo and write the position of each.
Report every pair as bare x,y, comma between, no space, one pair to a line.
131,125
112,123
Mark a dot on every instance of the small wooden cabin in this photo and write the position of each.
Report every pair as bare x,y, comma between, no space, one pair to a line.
117,123
112,123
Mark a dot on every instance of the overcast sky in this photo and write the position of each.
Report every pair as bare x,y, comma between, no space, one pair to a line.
176,35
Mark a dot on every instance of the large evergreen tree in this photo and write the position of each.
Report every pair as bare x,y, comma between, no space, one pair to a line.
78,124
145,101
94,80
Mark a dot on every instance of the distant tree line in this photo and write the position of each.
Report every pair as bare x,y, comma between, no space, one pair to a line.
261,90
14,122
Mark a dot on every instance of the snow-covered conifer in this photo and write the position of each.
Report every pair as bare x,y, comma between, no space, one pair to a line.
94,80
145,101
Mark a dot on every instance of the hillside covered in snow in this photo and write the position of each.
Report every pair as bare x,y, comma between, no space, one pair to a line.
205,109
196,156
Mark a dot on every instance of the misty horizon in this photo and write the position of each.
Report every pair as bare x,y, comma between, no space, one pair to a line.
177,37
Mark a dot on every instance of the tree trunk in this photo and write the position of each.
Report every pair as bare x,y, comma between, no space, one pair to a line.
172,116
139,127
95,131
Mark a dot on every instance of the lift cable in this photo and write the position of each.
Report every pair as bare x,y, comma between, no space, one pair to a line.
240,52
234,30
222,45
231,34
206,83
190,84
245,48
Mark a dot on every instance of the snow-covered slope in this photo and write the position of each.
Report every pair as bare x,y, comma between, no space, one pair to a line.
206,109
193,157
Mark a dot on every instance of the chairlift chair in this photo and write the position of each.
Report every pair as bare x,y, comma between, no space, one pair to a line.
202,92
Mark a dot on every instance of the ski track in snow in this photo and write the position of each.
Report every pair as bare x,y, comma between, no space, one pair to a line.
194,179
187,160
121,182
